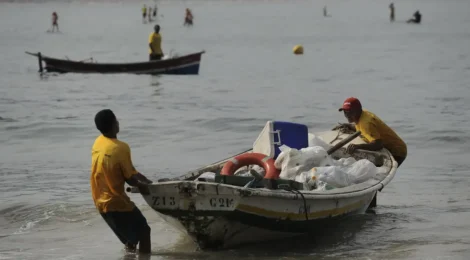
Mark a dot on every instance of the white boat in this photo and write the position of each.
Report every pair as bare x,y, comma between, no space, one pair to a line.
234,210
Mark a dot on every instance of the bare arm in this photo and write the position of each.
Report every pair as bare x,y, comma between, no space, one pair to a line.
130,174
138,180
371,134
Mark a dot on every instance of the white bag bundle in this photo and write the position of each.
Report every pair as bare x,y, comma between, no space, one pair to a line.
289,162
347,174
332,175
300,164
292,162
361,171
314,140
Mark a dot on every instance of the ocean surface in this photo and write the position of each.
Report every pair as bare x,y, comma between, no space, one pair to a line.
415,77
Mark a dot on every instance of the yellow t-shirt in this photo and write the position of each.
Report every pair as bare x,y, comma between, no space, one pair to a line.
111,166
155,39
372,128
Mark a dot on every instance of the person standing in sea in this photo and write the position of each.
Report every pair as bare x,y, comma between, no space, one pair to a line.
55,24
155,44
392,12
111,168
144,14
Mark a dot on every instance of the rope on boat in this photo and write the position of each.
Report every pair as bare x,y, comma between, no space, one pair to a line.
342,128
296,191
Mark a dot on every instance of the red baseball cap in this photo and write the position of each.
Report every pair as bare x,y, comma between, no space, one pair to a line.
351,103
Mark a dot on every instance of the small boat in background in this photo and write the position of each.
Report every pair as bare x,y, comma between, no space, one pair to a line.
183,65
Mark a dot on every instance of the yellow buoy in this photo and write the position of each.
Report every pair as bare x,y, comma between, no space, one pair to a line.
298,49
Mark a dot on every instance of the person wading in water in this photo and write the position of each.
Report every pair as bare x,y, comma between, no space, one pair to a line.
155,44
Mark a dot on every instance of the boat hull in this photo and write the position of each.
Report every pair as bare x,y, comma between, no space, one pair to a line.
184,65
217,216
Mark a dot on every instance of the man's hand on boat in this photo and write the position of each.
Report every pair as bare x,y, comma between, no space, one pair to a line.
140,181
372,146
351,148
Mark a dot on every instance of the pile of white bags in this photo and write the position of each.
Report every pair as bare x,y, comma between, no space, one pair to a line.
301,165
314,167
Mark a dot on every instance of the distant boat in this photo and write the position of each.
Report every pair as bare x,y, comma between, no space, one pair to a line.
184,65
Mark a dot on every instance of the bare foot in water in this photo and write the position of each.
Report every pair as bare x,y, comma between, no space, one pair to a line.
130,248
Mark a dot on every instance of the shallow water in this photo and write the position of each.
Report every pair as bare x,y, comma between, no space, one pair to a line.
415,77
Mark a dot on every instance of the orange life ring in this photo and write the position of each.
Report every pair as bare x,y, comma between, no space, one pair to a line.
246,159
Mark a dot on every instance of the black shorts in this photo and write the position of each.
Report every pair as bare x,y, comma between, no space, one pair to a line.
128,226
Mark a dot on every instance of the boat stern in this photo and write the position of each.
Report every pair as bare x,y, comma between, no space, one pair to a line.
197,208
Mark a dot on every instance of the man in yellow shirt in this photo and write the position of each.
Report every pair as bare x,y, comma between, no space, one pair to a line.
111,167
155,44
374,131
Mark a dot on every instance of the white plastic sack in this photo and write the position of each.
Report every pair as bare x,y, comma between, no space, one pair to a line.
344,175
317,141
288,161
341,162
292,162
346,161
308,179
301,165
303,177
361,171
332,175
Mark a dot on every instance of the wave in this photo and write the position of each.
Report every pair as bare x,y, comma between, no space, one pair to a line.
450,139
7,119
25,218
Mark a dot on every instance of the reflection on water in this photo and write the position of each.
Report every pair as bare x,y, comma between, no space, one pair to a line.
154,80
157,91
156,83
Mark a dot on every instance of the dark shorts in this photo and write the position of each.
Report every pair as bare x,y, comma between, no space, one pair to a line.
155,56
128,226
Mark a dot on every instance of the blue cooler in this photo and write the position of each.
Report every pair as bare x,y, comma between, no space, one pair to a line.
277,133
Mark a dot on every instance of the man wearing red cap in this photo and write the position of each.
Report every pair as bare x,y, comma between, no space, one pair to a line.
374,131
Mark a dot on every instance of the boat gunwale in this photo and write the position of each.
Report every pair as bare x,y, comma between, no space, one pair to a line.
337,193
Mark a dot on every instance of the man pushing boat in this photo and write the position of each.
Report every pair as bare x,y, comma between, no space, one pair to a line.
111,167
